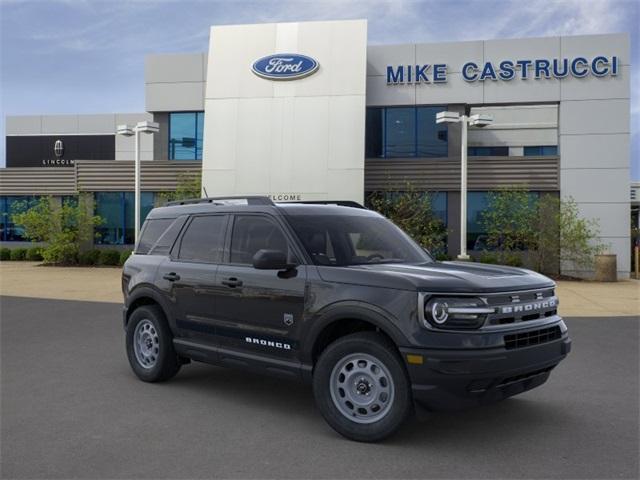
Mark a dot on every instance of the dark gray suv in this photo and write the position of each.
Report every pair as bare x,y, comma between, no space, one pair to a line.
334,294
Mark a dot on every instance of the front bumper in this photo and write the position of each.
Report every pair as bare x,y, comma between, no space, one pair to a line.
452,379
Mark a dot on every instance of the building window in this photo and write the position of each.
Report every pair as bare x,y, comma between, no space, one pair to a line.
405,132
185,135
541,151
9,206
117,212
488,151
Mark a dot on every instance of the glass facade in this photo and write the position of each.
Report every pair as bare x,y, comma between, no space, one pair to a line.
117,212
185,135
401,132
488,151
10,205
541,151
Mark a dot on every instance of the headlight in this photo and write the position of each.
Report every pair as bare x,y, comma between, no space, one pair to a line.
455,313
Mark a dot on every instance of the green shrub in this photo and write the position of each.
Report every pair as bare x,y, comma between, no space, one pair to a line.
487,257
5,254
62,228
109,257
34,254
513,260
90,257
18,253
124,256
442,257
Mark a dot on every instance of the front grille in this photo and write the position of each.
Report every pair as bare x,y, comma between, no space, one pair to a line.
517,299
534,337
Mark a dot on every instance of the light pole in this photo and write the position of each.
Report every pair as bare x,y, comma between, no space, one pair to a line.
127,131
478,120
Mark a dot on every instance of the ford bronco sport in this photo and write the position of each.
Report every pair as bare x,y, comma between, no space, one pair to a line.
337,295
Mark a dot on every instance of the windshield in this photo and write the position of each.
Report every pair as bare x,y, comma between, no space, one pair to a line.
342,240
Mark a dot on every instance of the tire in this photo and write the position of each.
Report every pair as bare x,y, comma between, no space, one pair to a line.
361,387
152,358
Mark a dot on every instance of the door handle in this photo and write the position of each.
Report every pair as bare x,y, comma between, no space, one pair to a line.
232,282
172,277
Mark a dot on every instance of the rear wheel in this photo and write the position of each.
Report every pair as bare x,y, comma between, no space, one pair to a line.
150,345
361,387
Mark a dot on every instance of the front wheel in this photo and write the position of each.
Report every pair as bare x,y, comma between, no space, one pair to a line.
361,387
150,345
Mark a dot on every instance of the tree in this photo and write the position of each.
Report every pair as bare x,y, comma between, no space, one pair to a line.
413,212
550,229
508,221
187,186
62,227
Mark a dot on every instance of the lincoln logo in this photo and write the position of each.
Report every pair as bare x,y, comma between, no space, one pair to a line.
58,148
284,66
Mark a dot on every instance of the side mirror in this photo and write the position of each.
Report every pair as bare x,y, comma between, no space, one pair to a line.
271,260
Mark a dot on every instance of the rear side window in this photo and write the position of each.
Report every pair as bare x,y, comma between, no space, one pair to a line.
203,240
152,231
168,238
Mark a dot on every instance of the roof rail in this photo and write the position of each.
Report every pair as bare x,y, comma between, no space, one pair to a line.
340,203
250,199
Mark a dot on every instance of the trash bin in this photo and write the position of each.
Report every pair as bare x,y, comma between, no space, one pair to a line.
606,268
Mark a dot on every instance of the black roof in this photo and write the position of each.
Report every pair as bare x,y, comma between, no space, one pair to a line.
258,204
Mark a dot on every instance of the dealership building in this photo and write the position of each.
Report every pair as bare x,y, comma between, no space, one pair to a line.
309,111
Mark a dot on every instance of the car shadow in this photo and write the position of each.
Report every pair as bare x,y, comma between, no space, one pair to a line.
294,400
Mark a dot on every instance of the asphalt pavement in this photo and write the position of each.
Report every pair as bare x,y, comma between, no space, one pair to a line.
71,408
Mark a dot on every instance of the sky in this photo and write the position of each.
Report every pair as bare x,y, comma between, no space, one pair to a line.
87,56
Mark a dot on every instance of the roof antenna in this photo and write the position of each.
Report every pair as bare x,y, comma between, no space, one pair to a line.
206,195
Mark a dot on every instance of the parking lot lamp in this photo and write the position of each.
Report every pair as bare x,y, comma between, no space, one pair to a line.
478,120
127,131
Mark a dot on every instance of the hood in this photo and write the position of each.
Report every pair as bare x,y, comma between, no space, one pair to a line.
456,277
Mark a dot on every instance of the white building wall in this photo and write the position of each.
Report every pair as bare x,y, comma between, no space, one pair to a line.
300,137
592,115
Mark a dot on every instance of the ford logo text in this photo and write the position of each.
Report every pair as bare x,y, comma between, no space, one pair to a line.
285,66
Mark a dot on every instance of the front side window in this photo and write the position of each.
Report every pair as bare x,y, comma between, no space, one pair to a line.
185,135
252,233
338,240
203,241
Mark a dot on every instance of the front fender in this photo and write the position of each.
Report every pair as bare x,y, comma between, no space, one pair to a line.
377,316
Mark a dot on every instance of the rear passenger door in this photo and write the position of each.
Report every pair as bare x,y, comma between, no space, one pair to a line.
259,311
189,275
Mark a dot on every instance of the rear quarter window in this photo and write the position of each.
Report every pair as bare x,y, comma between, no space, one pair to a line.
159,235
151,232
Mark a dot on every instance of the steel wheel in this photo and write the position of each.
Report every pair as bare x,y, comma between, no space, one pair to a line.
362,388
146,343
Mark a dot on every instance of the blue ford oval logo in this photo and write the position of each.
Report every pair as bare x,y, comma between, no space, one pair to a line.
285,66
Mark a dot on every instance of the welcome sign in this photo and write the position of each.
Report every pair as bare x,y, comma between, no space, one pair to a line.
506,70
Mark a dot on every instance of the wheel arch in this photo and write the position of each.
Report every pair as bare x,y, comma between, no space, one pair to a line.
343,319
145,296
